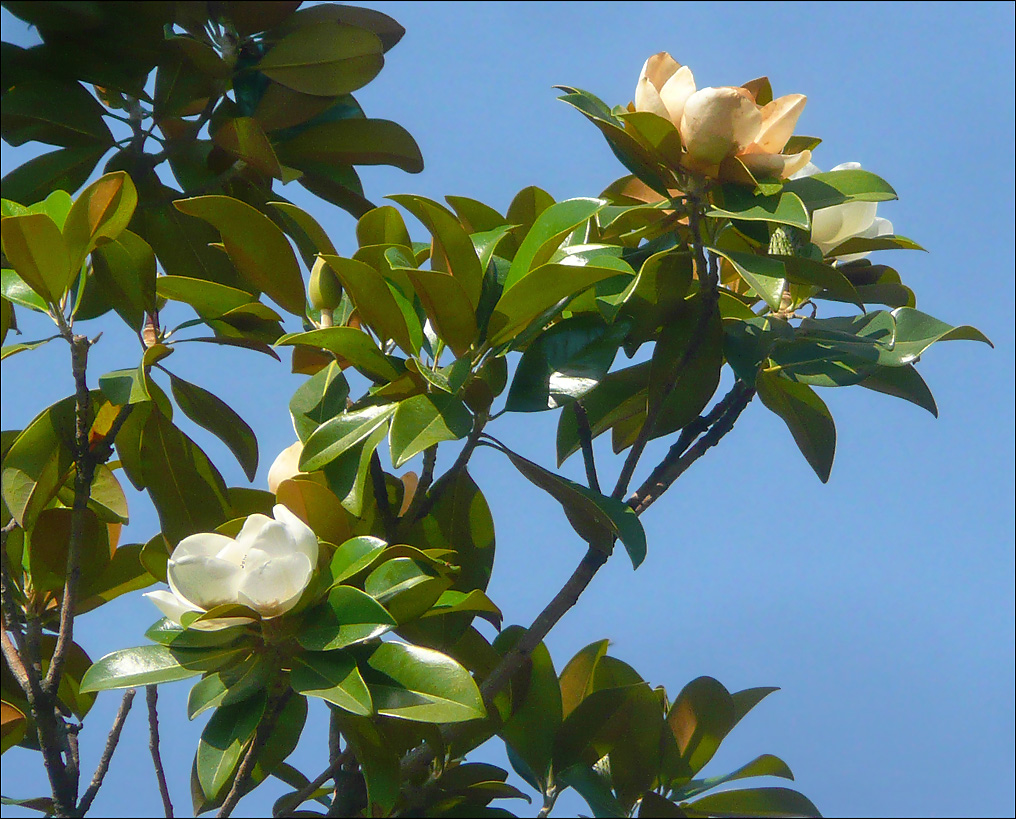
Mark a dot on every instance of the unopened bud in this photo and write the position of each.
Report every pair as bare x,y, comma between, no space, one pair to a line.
324,291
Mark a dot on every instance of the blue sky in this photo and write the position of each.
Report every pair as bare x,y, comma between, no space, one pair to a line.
881,603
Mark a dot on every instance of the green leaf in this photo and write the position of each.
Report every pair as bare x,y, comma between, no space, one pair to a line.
861,244
100,213
333,677
764,274
340,434
55,112
354,556
597,519
320,398
578,675
211,412
700,718
654,805
805,415
351,344
154,664
382,226
540,291
17,290
347,474
753,802
594,788
422,685
35,247
231,685
245,139
187,490
378,761
14,349
765,765
408,588
902,382
124,268
307,224
64,169
223,742
256,246
326,59
917,331
374,300
209,298
447,305
354,142
785,208
474,215
173,635
454,252
564,363
348,616
657,133
535,712
551,227
424,420
824,190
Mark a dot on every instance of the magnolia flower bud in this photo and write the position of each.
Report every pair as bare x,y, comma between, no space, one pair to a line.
266,568
324,291
285,466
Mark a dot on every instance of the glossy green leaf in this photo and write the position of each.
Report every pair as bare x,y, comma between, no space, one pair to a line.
594,727
173,635
209,298
824,190
785,208
594,788
378,761
917,331
422,685
154,664
539,292
453,249
14,349
320,398
382,226
805,415
447,305
347,474
657,133
338,435
551,227
351,344
64,169
308,224
125,270
373,298
245,139
231,685
564,363
101,212
753,802
35,247
211,412
597,519
408,588
424,420
700,718
334,677
17,291
902,382
346,617
256,246
223,742
326,59
577,677
764,765
654,805
354,142
766,275
54,112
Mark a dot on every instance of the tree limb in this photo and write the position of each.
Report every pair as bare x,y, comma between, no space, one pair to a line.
107,754
586,442
152,698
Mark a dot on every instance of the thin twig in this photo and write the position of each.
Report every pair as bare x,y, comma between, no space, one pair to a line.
107,754
479,421
422,486
586,442
152,697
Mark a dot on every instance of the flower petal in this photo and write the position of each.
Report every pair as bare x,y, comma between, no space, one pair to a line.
879,227
203,582
303,536
170,605
249,533
847,166
647,98
777,166
718,122
274,586
203,544
676,91
285,466
659,68
779,118
809,169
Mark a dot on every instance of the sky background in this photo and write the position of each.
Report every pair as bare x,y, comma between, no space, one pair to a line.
881,603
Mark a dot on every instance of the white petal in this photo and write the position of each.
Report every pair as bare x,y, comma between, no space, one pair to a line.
303,536
779,118
170,605
857,218
826,224
676,91
810,169
274,587
880,227
659,68
249,533
285,466
847,166
203,582
718,122
647,98
204,544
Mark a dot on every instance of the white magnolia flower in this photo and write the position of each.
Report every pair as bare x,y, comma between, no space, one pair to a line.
285,466
266,568
718,124
832,226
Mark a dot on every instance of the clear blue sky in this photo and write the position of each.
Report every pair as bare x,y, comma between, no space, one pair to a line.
881,603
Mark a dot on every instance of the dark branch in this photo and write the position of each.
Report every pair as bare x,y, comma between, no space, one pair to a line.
384,507
152,697
107,754
586,441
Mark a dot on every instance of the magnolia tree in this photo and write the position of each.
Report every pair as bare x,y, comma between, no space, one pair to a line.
358,582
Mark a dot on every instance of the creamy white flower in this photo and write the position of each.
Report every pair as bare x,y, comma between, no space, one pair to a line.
285,466
832,226
266,568
718,124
